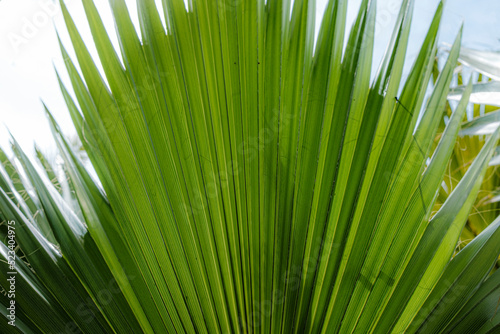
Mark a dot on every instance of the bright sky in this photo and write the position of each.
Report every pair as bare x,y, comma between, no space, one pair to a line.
29,50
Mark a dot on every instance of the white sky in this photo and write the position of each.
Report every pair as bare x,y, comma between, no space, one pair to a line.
27,74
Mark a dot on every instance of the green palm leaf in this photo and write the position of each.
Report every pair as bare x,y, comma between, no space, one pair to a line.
252,179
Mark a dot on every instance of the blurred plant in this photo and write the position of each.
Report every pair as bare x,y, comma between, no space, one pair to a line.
482,119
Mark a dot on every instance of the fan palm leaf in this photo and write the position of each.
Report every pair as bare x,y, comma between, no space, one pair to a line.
251,179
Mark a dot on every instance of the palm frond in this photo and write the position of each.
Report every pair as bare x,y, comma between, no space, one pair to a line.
253,180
